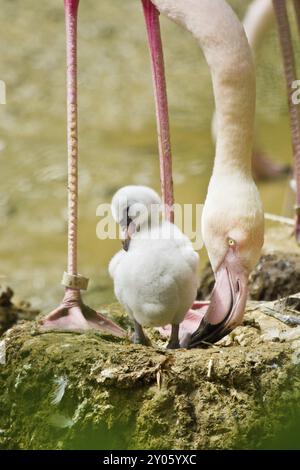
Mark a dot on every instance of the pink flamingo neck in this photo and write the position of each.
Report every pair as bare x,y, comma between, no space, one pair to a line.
161,105
71,9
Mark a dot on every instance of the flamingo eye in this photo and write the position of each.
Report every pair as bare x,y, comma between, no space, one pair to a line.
231,242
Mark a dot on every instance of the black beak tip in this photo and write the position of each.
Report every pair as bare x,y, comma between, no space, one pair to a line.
126,244
207,334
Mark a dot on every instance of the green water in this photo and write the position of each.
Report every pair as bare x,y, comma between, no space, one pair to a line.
117,132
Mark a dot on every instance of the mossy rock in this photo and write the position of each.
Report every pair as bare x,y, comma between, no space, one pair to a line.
91,391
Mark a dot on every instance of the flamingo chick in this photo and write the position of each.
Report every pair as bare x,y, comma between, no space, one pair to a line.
155,275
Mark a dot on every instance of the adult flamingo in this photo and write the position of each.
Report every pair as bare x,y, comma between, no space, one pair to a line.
232,221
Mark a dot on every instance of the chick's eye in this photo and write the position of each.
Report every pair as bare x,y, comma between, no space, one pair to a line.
231,242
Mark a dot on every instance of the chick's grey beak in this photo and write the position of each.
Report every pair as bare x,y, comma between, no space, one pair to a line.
126,243
227,304
129,231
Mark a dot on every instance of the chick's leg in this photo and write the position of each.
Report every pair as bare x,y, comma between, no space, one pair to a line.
139,336
174,339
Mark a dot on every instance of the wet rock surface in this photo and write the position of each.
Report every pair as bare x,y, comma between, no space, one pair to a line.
70,391
276,275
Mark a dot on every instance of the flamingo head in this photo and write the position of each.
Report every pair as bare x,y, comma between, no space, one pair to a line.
135,207
233,233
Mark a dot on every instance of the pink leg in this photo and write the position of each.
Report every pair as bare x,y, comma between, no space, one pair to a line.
72,313
284,30
297,11
297,173
161,105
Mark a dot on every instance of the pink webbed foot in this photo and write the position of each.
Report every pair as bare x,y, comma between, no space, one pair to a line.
190,323
264,168
73,315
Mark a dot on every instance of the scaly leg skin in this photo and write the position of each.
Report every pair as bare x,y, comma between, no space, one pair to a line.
139,336
73,315
174,338
297,225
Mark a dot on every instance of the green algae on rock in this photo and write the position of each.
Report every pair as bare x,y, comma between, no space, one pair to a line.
62,390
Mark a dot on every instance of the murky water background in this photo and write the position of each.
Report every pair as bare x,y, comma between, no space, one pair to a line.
117,132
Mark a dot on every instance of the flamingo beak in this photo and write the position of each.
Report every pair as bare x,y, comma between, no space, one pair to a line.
227,304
